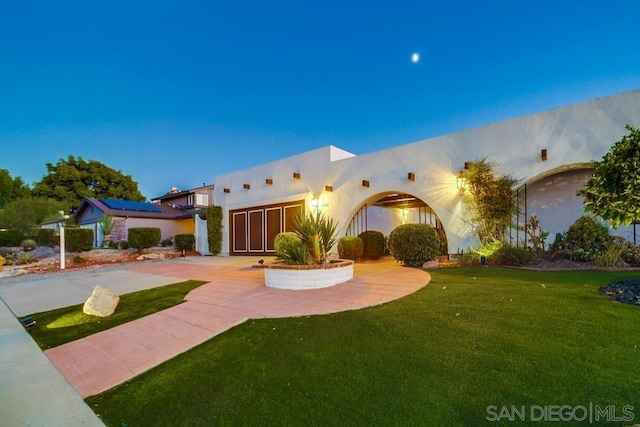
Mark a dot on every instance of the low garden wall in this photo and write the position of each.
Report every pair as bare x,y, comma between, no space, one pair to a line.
302,277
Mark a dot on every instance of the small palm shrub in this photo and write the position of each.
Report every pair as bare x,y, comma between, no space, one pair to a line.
144,237
350,247
414,244
318,233
185,242
374,244
587,238
611,257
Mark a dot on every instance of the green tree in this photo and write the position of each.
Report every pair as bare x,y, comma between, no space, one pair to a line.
73,179
26,213
11,188
613,192
489,198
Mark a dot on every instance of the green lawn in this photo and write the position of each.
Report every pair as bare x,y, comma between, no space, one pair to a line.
68,324
470,339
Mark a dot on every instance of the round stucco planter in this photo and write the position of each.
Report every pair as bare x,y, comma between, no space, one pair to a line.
301,277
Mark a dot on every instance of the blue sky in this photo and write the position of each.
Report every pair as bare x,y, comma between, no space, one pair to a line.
176,93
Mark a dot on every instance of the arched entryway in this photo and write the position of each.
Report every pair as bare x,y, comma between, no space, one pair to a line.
385,211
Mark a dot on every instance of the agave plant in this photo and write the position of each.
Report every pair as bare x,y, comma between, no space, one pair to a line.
317,234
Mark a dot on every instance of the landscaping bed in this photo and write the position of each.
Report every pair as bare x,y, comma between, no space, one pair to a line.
92,258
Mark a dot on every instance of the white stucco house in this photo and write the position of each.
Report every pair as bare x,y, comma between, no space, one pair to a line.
550,152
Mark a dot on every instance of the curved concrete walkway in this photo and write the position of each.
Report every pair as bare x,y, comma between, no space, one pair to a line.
234,294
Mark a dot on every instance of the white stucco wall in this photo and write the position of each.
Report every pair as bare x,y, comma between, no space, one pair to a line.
572,135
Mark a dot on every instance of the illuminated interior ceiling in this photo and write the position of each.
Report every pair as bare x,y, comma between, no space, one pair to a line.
400,201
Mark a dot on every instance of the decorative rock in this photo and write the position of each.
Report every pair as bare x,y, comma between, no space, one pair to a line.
101,303
431,264
149,256
41,253
625,291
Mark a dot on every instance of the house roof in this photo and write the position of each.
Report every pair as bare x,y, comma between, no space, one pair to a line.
129,208
175,193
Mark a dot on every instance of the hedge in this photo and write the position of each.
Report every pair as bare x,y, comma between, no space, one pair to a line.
78,239
11,238
350,247
374,244
144,237
45,236
214,229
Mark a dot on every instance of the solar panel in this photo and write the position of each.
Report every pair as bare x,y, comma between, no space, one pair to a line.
128,205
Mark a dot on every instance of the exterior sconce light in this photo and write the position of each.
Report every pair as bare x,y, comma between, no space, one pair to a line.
314,203
365,183
227,190
411,176
543,154
328,188
246,187
269,181
467,165
461,182
296,175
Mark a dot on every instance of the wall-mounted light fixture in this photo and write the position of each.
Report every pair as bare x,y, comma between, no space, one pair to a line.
296,175
269,181
365,183
543,154
405,212
467,165
461,182
317,203
411,176
227,190
246,186
328,188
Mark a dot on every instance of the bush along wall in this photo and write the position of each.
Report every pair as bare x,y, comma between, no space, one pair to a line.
374,244
144,237
185,242
78,239
414,244
214,229
350,247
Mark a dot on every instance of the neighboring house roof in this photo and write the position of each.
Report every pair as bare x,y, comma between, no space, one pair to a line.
174,193
128,208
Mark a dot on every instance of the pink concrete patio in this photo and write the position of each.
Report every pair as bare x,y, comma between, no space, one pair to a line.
234,294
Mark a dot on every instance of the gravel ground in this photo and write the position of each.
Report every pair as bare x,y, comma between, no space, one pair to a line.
96,260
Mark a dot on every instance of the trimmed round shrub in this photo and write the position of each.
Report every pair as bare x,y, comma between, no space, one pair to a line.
185,242
29,244
414,244
78,239
144,237
374,244
350,247
283,241
587,238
